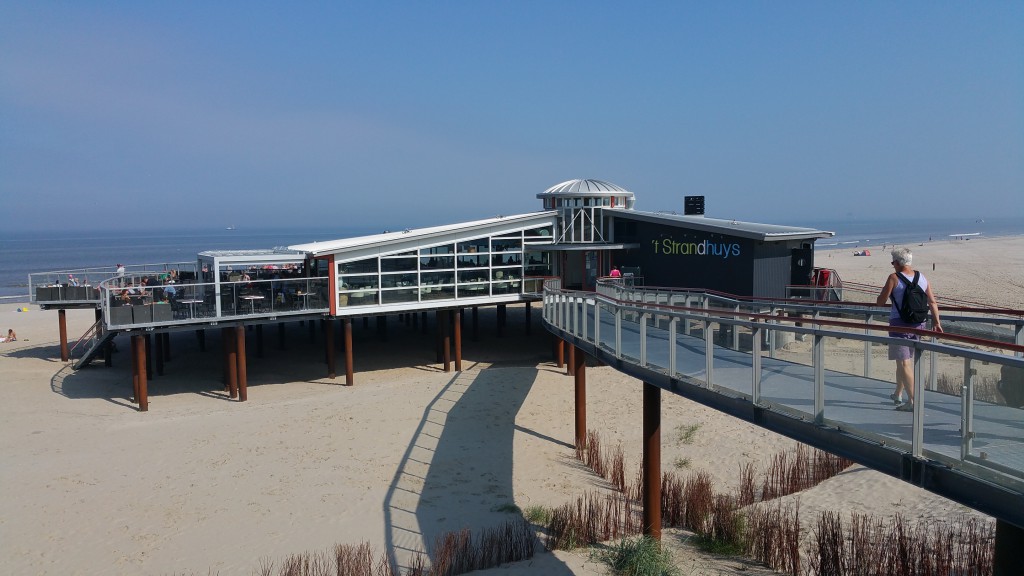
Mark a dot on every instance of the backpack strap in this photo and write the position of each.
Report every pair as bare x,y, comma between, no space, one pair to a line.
909,286
917,277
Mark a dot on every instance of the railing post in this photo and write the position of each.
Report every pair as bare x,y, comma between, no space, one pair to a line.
818,361
967,411
586,301
597,323
577,306
643,339
618,332
1018,336
736,328
709,350
673,323
867,350
755,365
917,446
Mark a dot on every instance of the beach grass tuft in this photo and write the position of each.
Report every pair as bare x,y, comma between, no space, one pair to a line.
641,556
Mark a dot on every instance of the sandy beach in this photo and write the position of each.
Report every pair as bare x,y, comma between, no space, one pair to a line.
201,484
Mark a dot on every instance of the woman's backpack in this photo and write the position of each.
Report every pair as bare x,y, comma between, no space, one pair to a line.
914,308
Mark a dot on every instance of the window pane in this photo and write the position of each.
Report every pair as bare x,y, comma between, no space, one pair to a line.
476,245
358,266
505,244
437,292
433,250
434,262
402,295
473,261
397,264
437,278
506,259
397,280
472,276
362,282
362,298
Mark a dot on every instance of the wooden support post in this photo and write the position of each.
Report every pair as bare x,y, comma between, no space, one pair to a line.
108,351
570,366
140,367
243,373
476,323
159,355
232,348
652,461
580,380
259,340
280,336
349,377
446,346
559,352
423,317
329,348
366,321
501,320
415,319
201,336
62,324
1009,550
458,339
133,345
149,355
312,331
167,346
382,327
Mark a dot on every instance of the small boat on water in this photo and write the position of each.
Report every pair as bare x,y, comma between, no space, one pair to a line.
232,227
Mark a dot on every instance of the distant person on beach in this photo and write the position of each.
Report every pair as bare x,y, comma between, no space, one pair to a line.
903,355
11,336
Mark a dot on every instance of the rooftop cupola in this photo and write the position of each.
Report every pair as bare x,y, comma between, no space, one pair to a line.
580,204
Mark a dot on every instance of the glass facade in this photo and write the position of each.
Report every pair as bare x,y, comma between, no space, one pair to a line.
485,266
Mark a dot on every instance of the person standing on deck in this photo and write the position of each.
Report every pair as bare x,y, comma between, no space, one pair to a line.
903,355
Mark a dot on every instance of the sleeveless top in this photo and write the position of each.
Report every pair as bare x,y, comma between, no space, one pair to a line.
897,293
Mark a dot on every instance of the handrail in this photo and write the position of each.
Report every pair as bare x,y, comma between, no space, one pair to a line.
206,302
690,343
91,332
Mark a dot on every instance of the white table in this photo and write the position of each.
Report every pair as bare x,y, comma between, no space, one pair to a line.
191,305
252,302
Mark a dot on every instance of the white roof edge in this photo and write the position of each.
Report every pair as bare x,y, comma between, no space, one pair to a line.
318,248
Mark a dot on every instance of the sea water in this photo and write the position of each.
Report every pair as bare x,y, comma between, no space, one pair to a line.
24,253
28,252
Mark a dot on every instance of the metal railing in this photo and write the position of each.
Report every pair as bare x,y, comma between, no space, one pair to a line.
80,285
822,364
128,303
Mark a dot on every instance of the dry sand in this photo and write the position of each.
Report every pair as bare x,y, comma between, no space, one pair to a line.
201,484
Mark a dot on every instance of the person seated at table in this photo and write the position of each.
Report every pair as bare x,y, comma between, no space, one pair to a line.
125,297
169,290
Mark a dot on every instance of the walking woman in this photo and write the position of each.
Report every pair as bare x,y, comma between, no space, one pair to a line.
903,355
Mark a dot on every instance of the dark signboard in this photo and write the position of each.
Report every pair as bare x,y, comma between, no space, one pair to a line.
684,258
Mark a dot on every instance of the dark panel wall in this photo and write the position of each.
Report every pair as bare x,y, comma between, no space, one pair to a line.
679,257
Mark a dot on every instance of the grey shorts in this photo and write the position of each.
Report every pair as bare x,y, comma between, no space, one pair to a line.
897,352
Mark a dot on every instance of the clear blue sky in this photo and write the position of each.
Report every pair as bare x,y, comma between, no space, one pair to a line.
163,114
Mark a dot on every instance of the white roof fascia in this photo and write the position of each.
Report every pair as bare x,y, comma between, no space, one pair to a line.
404,241
752,230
